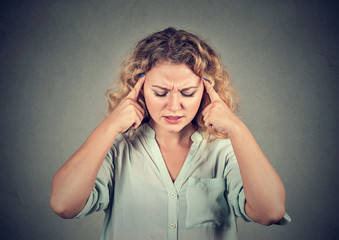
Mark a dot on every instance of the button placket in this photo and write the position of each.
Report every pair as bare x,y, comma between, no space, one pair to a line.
172,214
173,226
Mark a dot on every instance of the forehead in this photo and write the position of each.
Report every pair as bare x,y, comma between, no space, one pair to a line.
171,75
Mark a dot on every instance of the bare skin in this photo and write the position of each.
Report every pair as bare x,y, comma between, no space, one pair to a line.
174,155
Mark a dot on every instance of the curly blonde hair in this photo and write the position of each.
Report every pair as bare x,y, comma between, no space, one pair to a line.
177,47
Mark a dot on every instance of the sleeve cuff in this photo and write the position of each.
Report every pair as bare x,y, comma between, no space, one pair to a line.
285,220
87,208
242,200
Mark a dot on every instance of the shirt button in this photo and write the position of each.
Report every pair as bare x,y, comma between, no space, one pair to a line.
173,195
173,226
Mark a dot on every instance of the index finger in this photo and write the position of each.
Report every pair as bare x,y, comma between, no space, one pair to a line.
210,90
134,93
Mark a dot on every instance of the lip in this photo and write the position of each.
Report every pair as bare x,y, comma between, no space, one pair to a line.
173,119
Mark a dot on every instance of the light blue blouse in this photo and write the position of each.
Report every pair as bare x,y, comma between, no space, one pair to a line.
141,201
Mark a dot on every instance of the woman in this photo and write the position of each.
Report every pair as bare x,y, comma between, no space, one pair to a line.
171,160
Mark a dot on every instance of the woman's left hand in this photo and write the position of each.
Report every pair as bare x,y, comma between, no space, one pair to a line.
217,115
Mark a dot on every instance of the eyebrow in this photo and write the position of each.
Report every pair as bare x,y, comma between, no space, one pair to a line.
166,89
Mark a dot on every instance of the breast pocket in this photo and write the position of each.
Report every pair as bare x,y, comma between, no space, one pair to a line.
206,203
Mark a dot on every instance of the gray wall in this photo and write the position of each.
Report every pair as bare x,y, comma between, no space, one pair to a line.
58,58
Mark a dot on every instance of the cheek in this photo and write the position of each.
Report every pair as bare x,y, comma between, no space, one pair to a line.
149,97
198,99
153,103
193,105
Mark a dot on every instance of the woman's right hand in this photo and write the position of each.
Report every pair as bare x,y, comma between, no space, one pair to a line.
128,114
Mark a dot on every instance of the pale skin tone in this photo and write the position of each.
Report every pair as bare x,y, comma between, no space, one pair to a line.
264,191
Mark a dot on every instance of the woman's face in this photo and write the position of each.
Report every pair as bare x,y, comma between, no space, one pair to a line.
173,94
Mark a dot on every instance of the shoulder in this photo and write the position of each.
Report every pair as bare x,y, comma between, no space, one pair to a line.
218,149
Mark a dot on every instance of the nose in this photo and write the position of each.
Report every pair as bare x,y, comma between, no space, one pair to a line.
174,102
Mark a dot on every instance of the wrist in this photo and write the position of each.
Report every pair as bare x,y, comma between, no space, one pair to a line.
238,129
110,127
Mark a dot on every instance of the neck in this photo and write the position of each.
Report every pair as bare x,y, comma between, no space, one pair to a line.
166,138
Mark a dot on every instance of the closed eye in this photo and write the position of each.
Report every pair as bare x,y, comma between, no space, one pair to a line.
162,94
188,94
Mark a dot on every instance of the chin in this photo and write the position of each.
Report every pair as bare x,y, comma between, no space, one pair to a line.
171,128
175,128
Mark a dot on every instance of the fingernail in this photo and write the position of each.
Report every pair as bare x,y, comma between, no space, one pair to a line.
205,79
142,75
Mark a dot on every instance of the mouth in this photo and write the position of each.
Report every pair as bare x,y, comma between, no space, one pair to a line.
173,119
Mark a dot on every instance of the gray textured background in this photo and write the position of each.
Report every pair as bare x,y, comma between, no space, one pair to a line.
58,58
